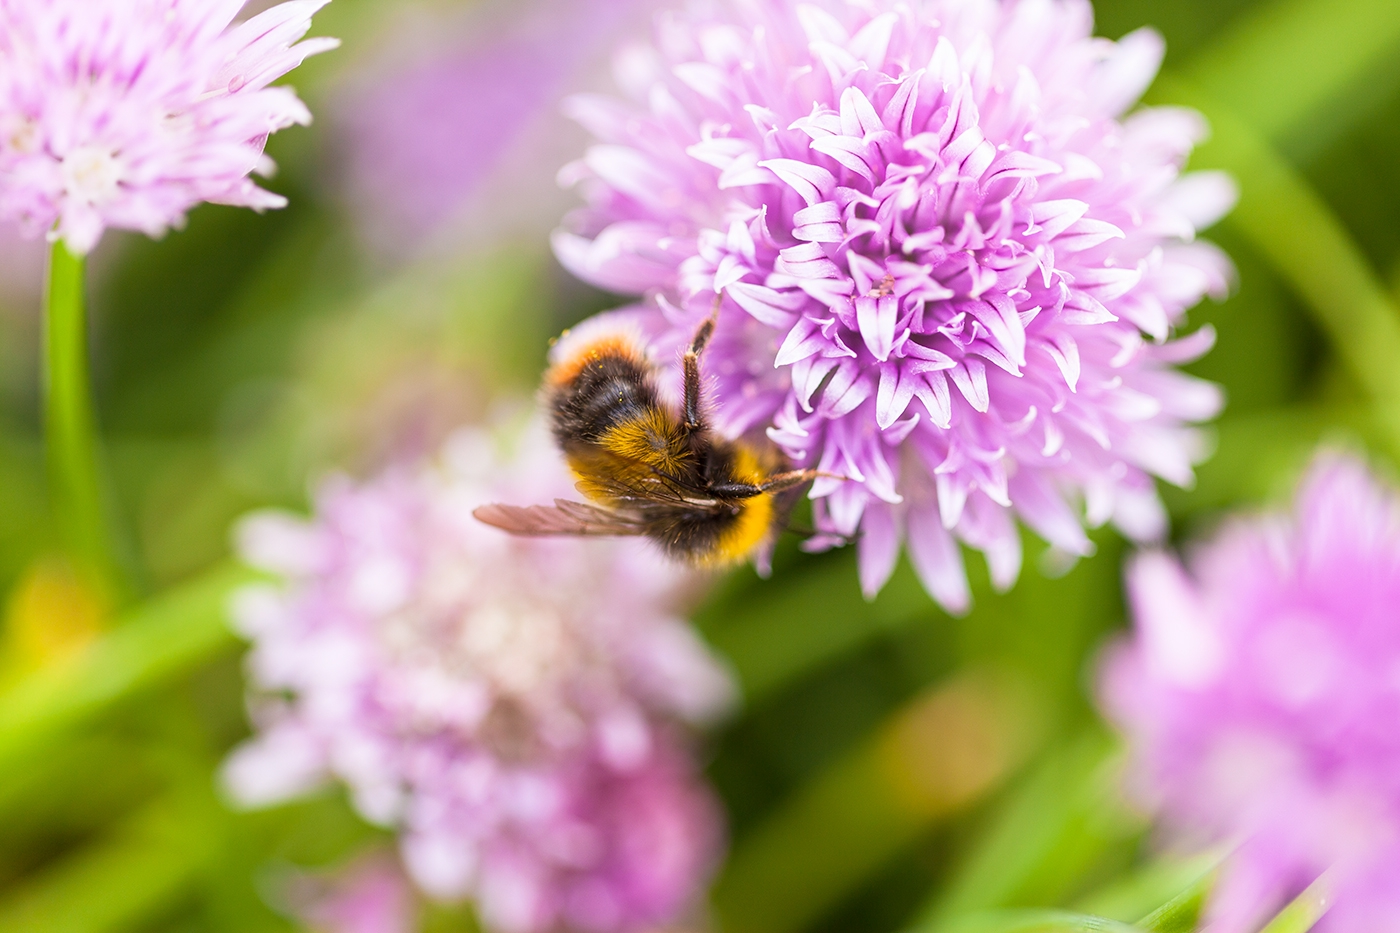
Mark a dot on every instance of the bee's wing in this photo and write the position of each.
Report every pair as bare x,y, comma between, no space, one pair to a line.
587,513
640,491
629,483
562,518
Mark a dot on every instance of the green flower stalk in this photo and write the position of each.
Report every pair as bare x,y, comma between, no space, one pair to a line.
70,429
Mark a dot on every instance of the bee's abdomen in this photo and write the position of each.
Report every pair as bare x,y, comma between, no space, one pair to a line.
717,537
608,387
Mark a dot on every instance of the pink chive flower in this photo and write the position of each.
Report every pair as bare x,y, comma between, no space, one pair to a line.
1260,695
947,266
514,707
127,113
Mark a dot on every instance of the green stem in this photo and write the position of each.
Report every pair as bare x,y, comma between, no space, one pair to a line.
75,487
1305,911
150,645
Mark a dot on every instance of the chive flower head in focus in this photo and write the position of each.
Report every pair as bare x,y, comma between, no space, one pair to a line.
1260,695
949,268
515,708
127,113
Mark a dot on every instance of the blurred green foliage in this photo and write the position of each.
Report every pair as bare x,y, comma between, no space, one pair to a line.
243,357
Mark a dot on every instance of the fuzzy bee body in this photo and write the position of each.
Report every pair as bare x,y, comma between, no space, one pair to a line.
647,469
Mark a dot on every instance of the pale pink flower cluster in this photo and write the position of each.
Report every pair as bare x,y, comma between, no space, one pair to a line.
1261,698
516,707
127,113
947,260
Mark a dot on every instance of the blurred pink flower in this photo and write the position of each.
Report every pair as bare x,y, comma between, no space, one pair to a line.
370,896
949,266
1261,694
513,705
127,113
461,117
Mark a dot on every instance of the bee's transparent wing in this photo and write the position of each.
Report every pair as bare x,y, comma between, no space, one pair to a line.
562,518
642,491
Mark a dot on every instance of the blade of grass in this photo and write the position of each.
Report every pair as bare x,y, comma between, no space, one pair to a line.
938,755
1178,885
1037,921
1183,912
1285,62
115,882
54,797
1305,911
1054,826
1292,226
151,644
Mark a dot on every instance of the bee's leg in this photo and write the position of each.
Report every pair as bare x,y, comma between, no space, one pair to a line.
692,370
781,481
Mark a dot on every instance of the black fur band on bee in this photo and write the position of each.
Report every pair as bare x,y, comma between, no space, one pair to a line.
649,470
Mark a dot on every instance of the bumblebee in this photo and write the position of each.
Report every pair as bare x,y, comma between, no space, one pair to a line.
647,469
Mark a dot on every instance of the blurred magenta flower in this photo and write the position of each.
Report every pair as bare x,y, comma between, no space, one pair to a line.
127,113
949,266
514,706
456,129
1260,695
